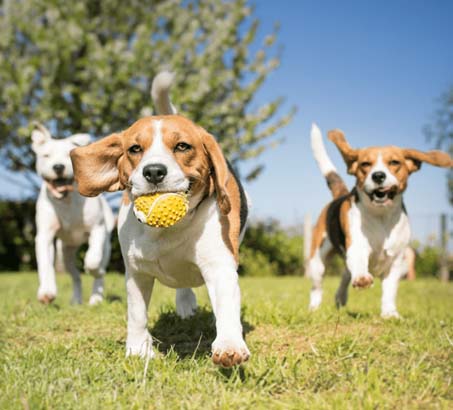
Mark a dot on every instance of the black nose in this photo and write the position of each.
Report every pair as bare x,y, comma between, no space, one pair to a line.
378,177
155,173
58,168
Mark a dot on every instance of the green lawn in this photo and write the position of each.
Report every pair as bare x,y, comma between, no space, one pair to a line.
72,357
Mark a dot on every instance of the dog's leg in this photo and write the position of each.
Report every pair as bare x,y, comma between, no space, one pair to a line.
228,348
315,271
390,288
95,252
69,258
97,292
45,254
186,302
139,288
341,297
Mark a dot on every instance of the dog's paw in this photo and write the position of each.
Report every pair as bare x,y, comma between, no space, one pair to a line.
46,298
140,346
363,282
390,314
95,299
46,295
315,299
229,353
186,303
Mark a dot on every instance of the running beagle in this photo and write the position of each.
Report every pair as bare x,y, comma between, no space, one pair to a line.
368,225
169,153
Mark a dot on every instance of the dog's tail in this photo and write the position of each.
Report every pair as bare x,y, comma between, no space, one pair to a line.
160,93
334,181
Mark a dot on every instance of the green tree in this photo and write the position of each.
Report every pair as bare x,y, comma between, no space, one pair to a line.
440,131
87,66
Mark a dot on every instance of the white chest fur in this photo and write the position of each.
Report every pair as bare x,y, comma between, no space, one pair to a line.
173,255
383,235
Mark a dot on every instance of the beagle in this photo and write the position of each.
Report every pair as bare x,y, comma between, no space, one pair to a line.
367,225
61,212
169,153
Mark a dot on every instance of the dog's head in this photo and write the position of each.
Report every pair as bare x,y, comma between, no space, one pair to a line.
156,154
382,172
53,162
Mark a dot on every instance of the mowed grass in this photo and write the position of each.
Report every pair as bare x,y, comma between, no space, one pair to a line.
72,357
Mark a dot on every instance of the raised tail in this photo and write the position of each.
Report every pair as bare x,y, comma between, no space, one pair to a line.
160,93
334,181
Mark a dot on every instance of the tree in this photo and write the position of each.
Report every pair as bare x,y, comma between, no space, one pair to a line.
441,131
87,66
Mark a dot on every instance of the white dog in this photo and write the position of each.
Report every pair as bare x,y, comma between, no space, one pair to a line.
367,225
61,212
169,153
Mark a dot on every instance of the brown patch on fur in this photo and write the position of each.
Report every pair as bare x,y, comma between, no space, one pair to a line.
319,232
336,185
125,200
231,223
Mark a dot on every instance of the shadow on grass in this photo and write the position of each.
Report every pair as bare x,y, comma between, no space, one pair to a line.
190,337
358,315
111,298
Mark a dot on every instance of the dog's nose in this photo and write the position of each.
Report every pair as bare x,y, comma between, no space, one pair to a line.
155,173
378,177
58,168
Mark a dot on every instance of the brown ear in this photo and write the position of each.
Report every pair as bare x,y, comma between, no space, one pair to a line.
96,166
349,154
219,172
414,159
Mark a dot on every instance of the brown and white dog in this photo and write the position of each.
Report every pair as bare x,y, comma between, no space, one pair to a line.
169,153
368,225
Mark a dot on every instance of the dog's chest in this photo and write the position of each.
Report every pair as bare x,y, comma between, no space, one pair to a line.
76,216
167,254
386,236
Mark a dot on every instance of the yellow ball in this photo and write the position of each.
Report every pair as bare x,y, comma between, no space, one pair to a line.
161,210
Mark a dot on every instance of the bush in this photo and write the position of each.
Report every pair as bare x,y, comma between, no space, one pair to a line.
427,260
268,249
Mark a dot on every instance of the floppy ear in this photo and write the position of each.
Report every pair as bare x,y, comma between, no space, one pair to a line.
80,139
39,135
219,172
414,159
349,154
96,166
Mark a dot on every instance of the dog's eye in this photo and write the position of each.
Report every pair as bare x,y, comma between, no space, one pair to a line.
365,164
135,149
182,147
394,163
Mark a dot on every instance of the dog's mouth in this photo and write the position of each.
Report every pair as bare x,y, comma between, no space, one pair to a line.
383,196
60,187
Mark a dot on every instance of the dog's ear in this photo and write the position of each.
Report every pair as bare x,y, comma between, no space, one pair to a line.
96,166
219,171
39,136
80,139
414,159
349,154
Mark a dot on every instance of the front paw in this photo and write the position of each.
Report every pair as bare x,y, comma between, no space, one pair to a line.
229,352
363,282
390,314
95,299
140,346
46,296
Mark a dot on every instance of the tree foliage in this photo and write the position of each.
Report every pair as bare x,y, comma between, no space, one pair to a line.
87,66
440,131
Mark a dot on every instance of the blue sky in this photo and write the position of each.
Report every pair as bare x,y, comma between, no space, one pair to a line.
373,69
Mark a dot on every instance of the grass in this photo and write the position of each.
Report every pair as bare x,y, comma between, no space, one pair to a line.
72,357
